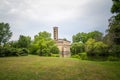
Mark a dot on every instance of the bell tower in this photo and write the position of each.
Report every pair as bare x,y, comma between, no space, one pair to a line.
55,32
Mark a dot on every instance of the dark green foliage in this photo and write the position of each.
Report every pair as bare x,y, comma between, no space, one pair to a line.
77,48
23,51
115,50
94,48
114,23
9,51
114,30
24,41
83,56
13,44
116,6
54,49
112,58
113,36
95,35
33,49
5,33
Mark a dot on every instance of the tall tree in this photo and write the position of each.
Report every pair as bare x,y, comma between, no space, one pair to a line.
80,37
5,33
83,37
114,23
43,44
95,35
24,41
77,48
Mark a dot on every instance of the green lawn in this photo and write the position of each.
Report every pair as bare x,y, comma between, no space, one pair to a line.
51,68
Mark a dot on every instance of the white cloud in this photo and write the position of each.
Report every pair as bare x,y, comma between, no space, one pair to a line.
75,15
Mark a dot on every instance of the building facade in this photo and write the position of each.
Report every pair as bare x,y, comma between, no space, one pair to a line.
63,45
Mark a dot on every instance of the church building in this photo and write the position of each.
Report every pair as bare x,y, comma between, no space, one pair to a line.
63,45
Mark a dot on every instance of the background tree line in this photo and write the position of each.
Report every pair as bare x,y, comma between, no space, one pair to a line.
42,44
97,45
93,43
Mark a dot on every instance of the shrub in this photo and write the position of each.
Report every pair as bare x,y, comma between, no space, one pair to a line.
112,58
100,49
94,48
54,49
83,56
23,52
9,51
115,50
76,56
89,47
77,48
54,55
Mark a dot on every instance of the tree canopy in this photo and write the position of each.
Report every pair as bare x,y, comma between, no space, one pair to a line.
114,23
5,33
83,37
43,44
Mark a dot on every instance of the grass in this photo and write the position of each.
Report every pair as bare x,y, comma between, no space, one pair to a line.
55,68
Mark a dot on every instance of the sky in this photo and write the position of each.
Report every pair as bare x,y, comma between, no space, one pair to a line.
29,17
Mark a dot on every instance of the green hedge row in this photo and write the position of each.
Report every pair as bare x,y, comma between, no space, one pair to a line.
5,51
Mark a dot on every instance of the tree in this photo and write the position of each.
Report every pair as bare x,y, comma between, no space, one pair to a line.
96,48
77,48
83,37
24,41
100,49
42,35
89,46
5,33
54,49
43,44
80,37
95,35
114,23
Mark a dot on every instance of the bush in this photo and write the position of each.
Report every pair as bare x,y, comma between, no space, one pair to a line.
23,52
83,56
54,49
3,51
7,51
115,50
76,56
77,48
94,48
54,55
112,58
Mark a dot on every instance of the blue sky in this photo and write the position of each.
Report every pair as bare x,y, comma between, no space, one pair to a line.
29,17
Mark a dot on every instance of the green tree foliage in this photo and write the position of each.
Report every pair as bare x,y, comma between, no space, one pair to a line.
96,48
95,35
77,48
5,33
83,37
113,36
114,23
42,35
24,41
13,44
115,50
101,49
10,51
89,46
80,37
43,44
54,49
